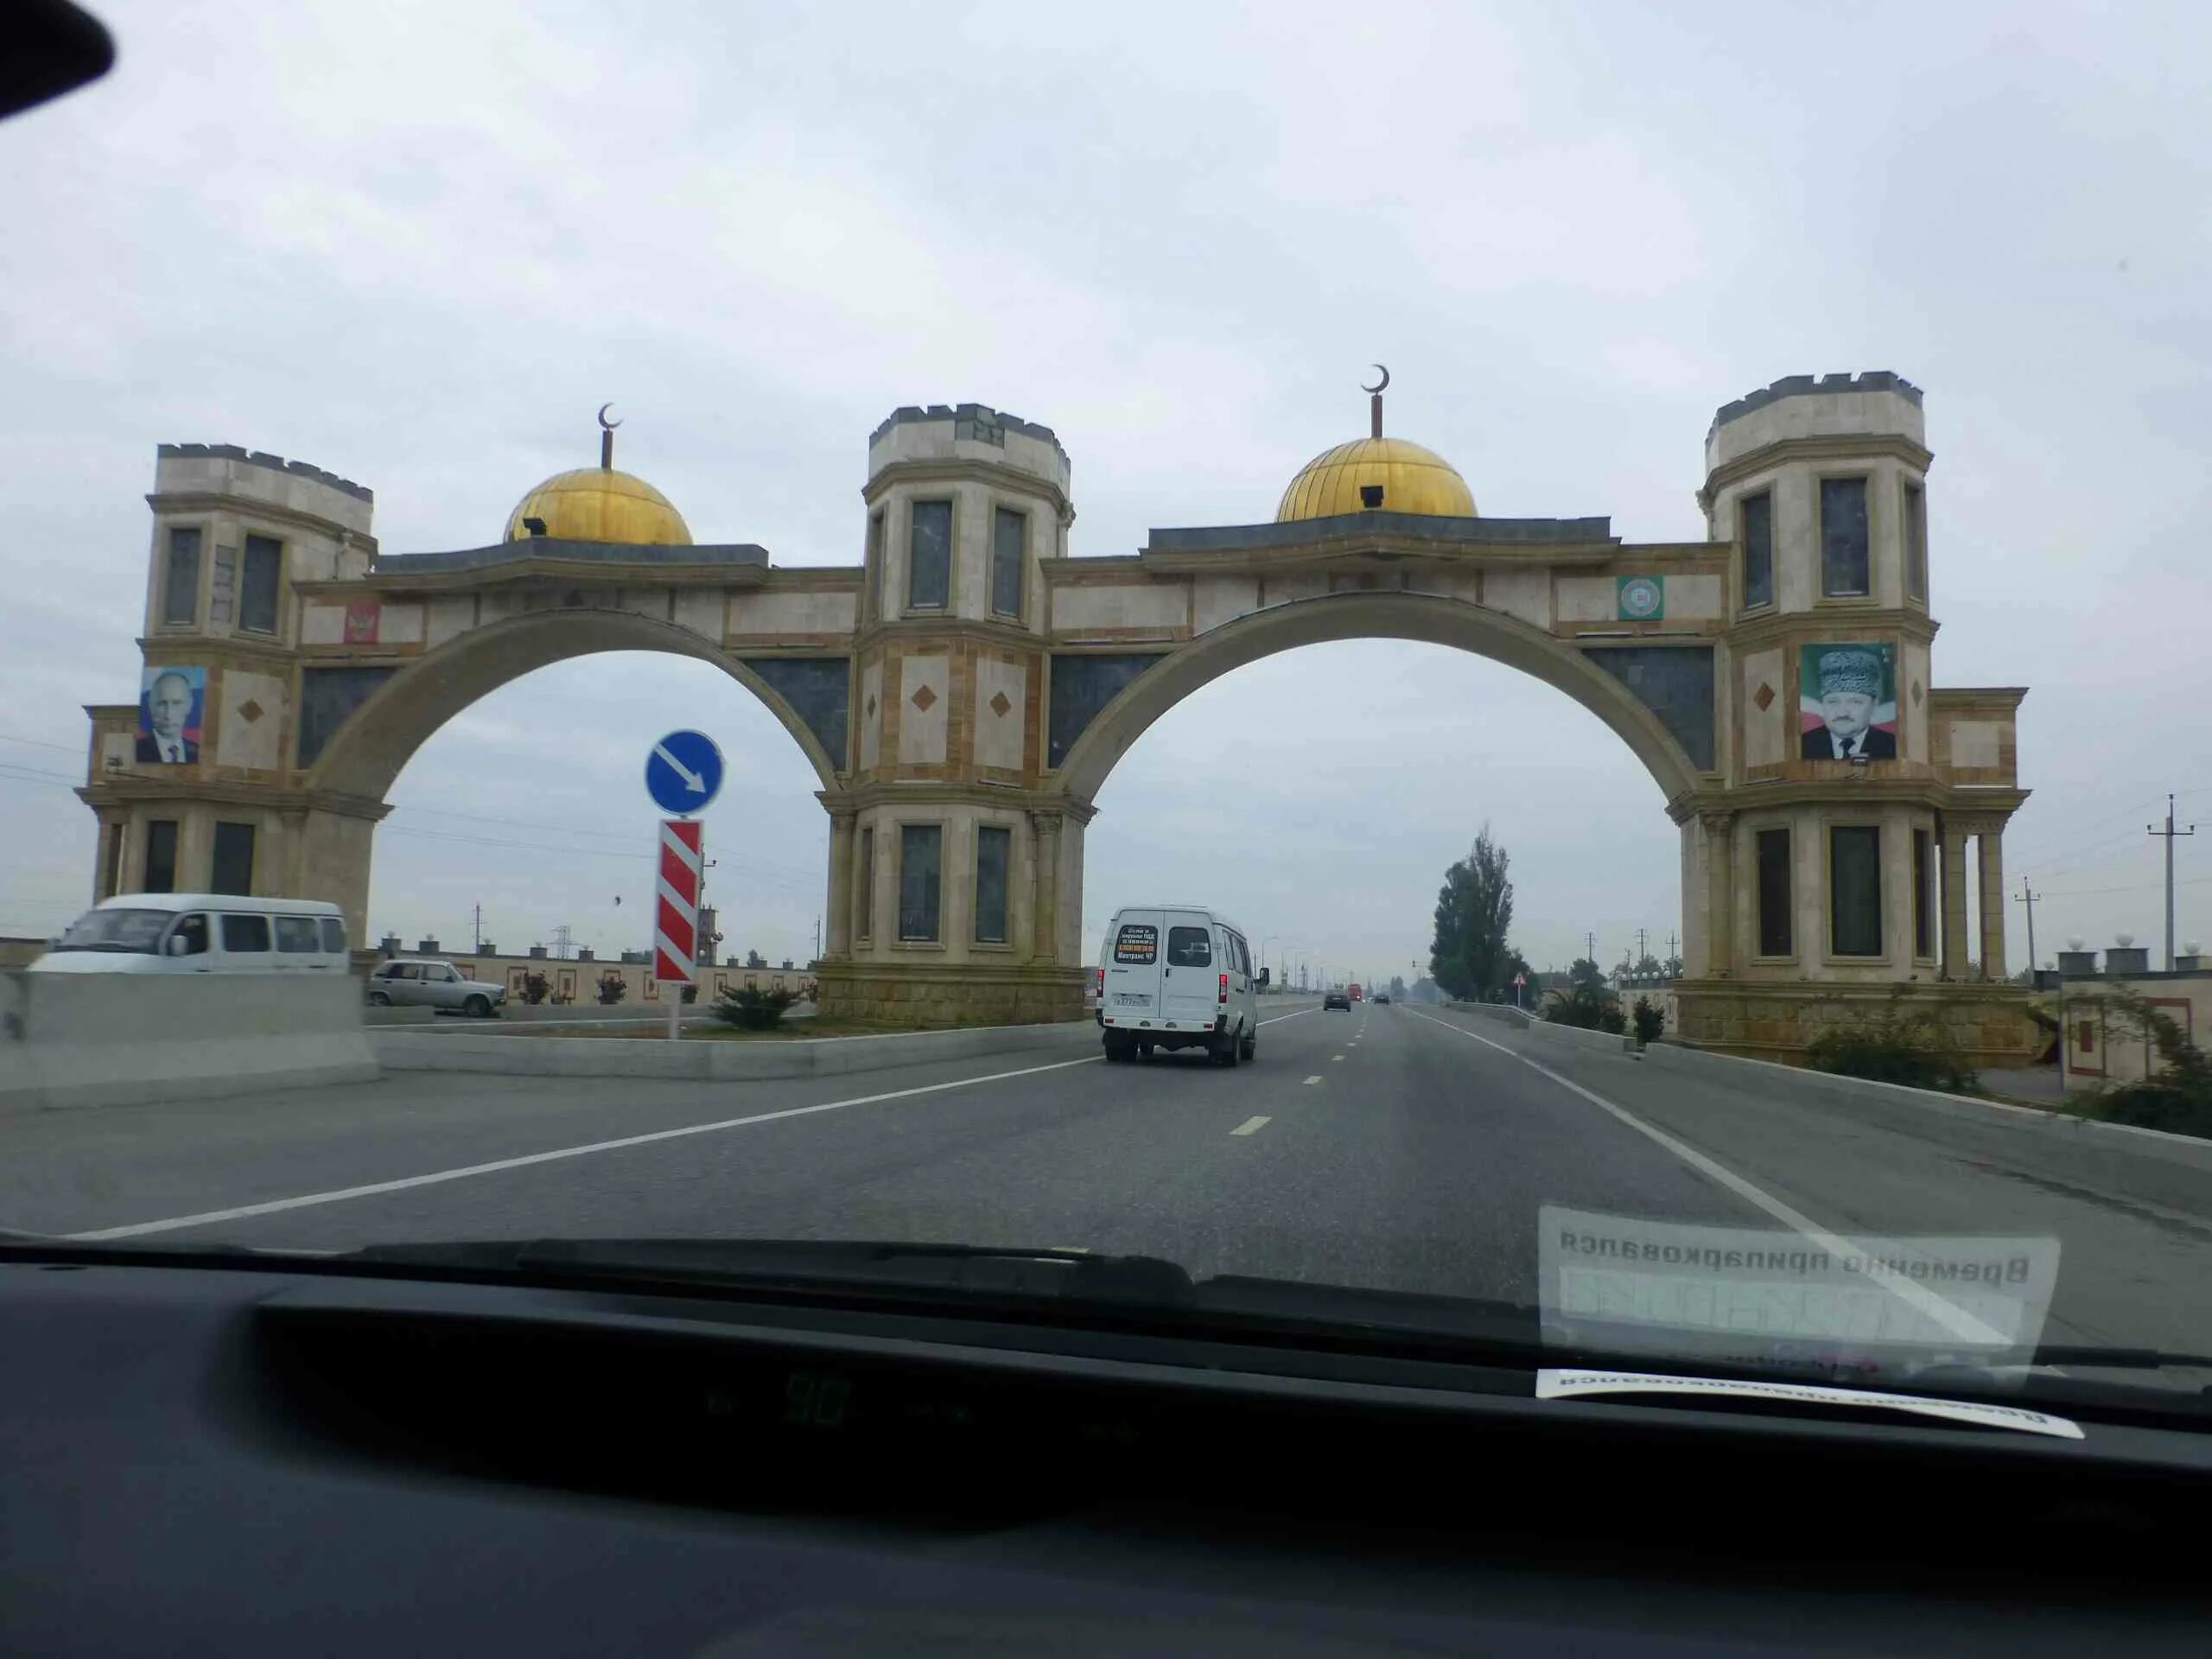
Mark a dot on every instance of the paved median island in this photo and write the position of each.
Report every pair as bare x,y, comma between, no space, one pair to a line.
122,1040
710,1059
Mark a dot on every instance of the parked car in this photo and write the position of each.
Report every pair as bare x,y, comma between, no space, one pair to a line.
417,982
1177,976
200,933
1335,1000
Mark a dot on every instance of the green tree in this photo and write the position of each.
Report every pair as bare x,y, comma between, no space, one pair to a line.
1474,911
1587,974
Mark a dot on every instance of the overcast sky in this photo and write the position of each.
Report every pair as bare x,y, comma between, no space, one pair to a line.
419,246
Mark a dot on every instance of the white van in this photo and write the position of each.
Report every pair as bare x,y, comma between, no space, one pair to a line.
1177,976
200,933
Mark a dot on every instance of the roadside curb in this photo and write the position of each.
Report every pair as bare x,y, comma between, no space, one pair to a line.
710,1061
2126,1139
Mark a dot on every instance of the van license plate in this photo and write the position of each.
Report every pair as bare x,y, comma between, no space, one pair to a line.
1131,1000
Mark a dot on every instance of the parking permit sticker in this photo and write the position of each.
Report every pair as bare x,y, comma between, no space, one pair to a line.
1559,1384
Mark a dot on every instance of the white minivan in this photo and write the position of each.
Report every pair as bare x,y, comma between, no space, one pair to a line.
1177,976
200,933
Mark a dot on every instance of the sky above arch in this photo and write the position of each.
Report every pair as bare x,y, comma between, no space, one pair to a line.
419,246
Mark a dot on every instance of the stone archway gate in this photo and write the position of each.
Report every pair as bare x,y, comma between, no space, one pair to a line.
965,690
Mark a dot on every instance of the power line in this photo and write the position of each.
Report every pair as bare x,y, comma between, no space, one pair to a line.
39,743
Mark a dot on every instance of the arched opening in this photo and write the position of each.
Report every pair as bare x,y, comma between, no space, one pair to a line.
1318,794
577,836
367,751
1418,617
528,803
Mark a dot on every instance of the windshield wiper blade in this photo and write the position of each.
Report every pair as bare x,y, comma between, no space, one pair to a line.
2120,1359
977,1270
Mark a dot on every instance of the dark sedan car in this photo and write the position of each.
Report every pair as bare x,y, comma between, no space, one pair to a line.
1382,996
1336,1000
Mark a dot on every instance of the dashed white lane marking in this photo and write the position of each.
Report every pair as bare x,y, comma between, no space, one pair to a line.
1316,1078
1922,1300
1251,1125
1335,1057
308,1201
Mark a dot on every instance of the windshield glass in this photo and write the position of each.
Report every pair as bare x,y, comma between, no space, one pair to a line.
1574,700
116,930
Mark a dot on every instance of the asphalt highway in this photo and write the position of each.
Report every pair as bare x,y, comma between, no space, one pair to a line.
1400,1147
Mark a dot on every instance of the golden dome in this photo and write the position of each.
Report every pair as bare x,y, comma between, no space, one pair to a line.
1414,480
597,504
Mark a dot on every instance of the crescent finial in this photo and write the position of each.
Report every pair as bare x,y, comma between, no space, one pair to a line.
1381,385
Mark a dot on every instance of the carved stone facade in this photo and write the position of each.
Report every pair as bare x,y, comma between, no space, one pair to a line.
964,691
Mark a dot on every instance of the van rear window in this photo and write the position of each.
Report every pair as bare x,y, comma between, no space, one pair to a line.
1137,941
1189,947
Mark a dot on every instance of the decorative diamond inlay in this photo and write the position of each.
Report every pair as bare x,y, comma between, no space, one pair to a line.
1001,705
871,708
1917,694
250,711
1763,696
923,699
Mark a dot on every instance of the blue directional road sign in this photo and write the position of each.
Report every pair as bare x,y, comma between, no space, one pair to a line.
684,772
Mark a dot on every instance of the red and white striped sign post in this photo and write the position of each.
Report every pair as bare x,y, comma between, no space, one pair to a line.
676,909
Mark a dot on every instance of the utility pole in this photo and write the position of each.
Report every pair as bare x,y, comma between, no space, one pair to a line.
2028,896
818,938
1590,949
2168,835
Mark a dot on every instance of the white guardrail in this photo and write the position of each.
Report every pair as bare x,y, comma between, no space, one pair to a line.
112,1040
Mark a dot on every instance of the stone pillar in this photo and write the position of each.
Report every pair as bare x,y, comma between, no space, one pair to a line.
1989,847
837,934
1720,893
1045,946
1955,901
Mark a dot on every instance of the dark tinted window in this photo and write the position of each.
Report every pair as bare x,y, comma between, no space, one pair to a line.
864,923
1855,890
298,935
264,555
1915,542
1009,536
161,855
1137,943
1758,511
1189,947
233,870
334,934
1774,894
1923,874
929,554
1843,537
180,581
993,846
245,933
920,879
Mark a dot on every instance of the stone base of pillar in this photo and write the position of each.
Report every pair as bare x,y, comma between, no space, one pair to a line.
931,994
1987,1025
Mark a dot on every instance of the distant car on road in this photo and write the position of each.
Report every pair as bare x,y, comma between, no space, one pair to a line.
417,982
1382,996
1335,1000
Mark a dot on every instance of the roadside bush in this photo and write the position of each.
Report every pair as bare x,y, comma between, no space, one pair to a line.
753,1010
1650,1021
2177,1099
536,988
1587,1007
1898,1047
613,988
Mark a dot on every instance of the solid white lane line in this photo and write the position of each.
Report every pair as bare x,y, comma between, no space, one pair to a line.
1952,1318
1251,1125
1316,1078
308,1201
1295,1014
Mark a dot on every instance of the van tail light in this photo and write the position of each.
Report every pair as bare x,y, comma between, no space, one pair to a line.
1102,981
1225,987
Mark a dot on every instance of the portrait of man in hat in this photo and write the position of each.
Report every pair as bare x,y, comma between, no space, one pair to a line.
1847,699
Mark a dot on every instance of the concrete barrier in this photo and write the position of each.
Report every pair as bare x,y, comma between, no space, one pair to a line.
1516,1017
2170,1168
115,1040
709,1060
1606,1042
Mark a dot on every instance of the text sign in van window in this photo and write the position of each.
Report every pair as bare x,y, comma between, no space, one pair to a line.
1137,943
